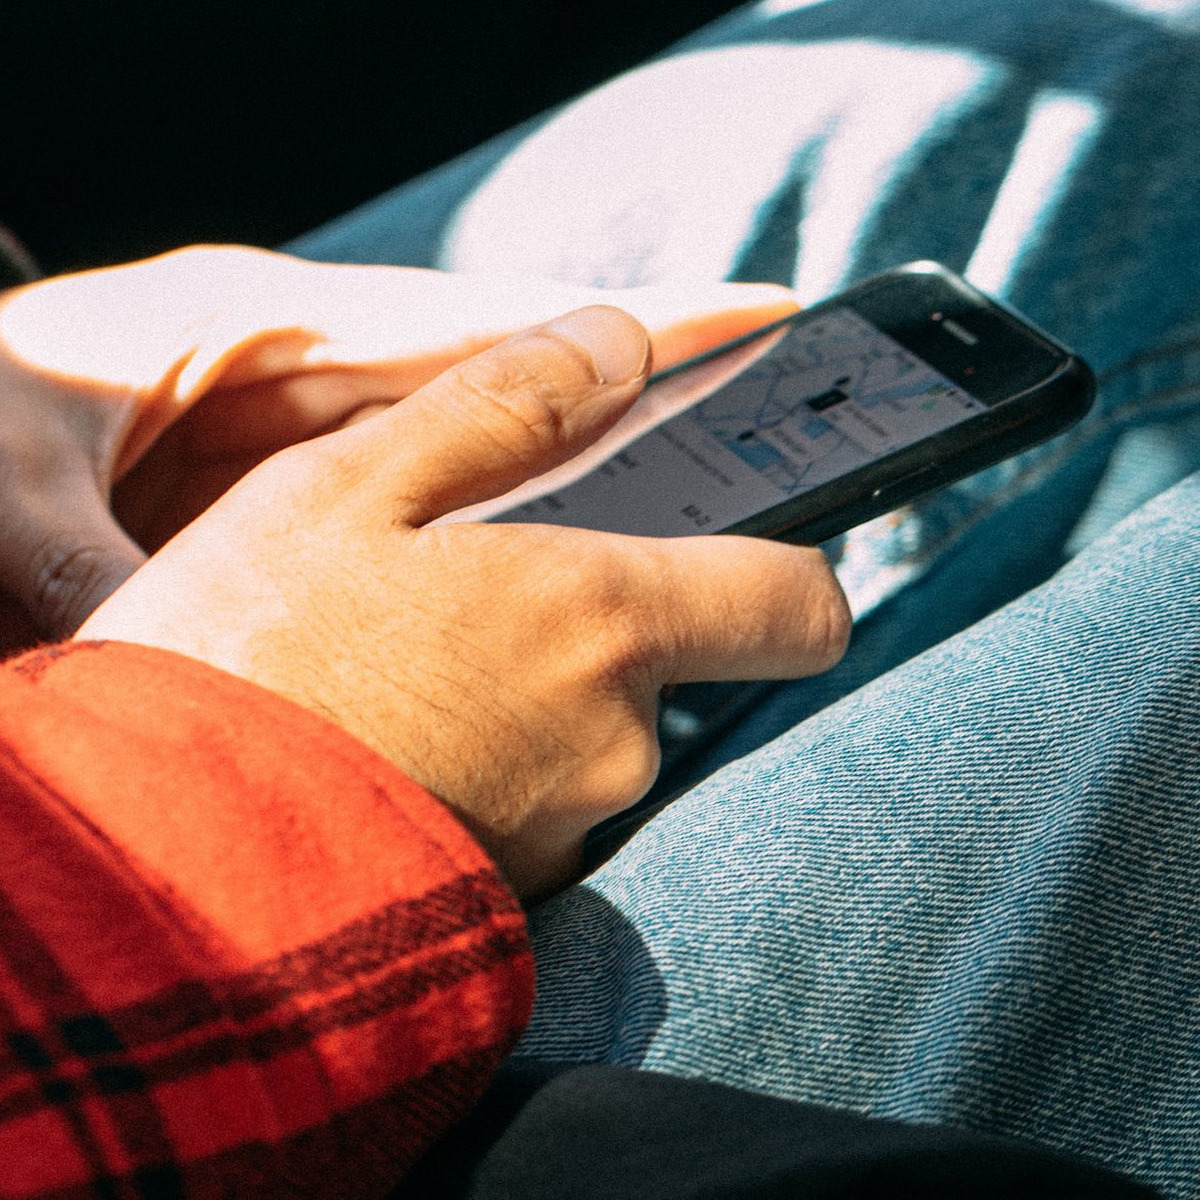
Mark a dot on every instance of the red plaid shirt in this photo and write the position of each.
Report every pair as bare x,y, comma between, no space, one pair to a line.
239,953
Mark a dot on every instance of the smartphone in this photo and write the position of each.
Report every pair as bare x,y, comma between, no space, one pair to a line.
899,385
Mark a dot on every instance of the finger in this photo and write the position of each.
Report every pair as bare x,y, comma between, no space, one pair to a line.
62,559
686,321
490,423
740,608
265,384
401,326
172,329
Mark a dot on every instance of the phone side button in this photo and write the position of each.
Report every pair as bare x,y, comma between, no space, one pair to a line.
906,488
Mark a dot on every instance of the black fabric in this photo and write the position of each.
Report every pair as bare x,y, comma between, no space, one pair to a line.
600,1132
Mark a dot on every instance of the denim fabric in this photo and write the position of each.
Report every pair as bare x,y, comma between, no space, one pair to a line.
960,885
967,892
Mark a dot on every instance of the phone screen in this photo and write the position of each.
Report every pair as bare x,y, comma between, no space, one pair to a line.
750,430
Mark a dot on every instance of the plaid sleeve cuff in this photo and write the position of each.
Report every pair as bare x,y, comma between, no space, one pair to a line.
239,952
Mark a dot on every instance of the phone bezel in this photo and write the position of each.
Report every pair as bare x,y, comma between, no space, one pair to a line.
1058,397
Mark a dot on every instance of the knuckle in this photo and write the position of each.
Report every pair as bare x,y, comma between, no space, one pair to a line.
641,759
619,636
625,769
630,658
68,582
511,405
302,479
521,392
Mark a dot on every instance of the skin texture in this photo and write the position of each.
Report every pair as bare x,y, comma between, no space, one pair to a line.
132,397
513,670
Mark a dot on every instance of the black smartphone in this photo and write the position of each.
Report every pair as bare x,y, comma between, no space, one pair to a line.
899,385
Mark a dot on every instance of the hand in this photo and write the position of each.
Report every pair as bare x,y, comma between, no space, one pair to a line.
176,375
512,669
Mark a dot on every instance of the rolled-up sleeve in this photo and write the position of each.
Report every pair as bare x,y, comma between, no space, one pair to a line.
239,952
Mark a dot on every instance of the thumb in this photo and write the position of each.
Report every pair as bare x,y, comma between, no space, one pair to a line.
508,414
65,554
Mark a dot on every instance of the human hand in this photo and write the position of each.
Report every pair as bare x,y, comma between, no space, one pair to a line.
511,669
153,387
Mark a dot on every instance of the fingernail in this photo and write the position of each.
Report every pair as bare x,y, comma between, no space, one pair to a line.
614,341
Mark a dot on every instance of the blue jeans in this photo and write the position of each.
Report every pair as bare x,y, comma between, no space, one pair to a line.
954,878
